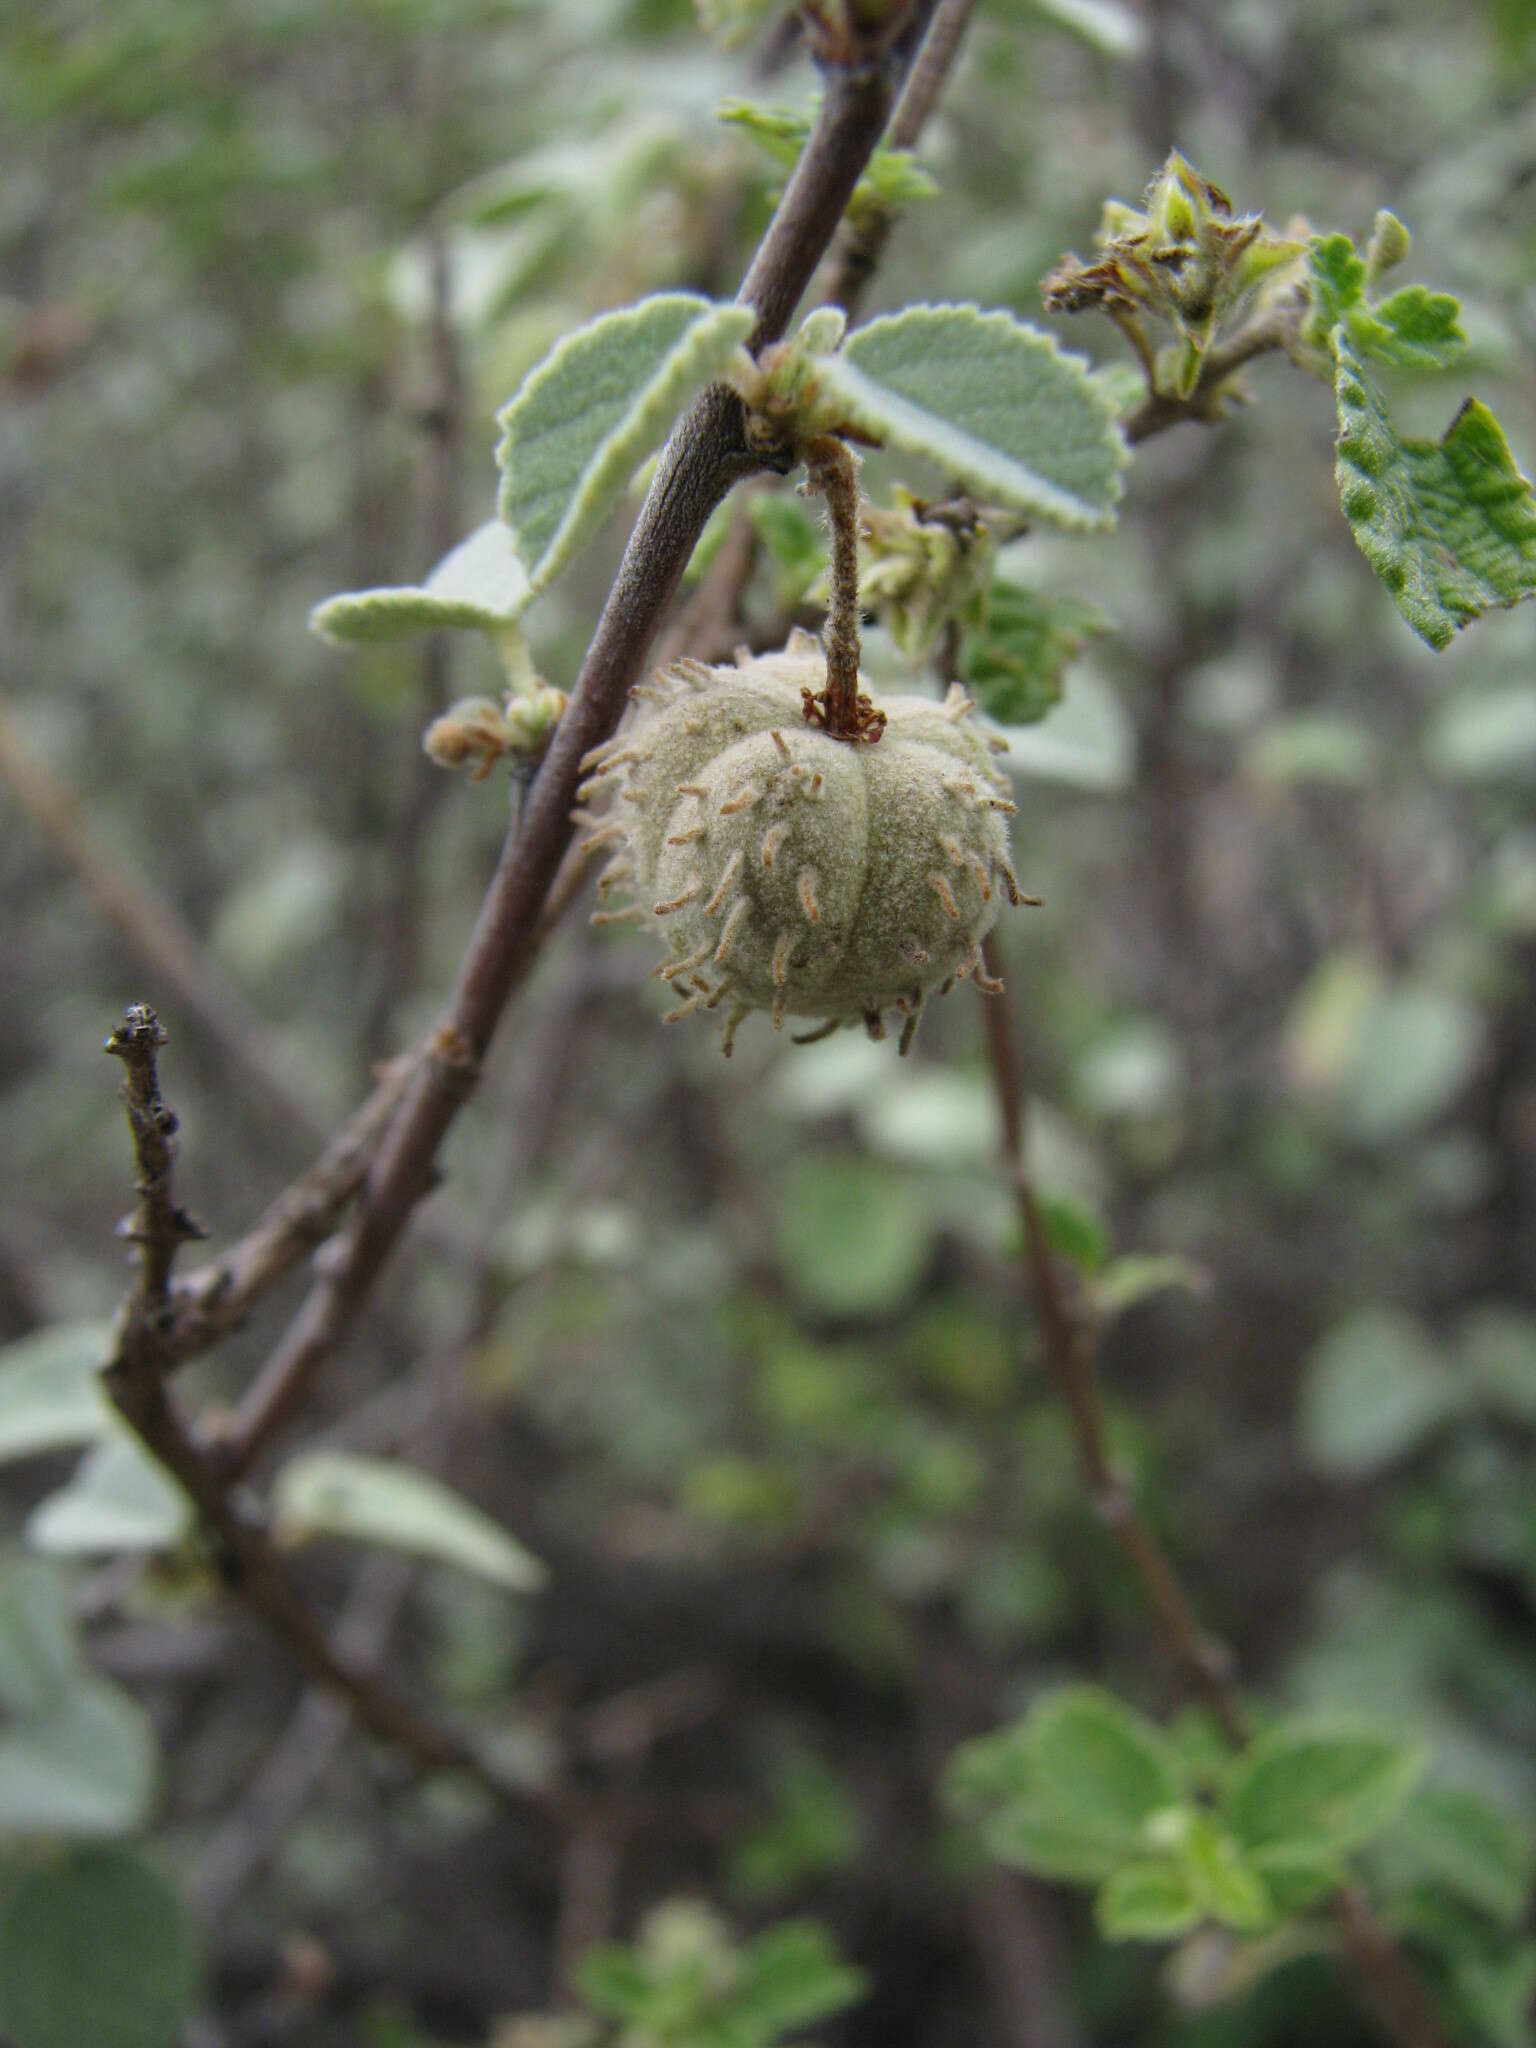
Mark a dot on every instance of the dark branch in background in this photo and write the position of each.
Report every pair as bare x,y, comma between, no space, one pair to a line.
160,938
1069,1348
135,1382
398,916
705,456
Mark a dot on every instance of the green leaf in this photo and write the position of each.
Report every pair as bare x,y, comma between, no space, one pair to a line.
1485,735
1015,662
1311,747
118,1499
593,408
1376,1388
84,1767
50,1396
1415,1052
792,1977
1148,1902
1459,1843
1075,1232
1137,1276
1416,329
1105,25
1337,278
1320,1790
483,583
95,1947
1224,1882
1449,526
1068,1792
854,1237
77,1755
1297,1880
373,1500
994,403
1099,1762
793,542
892,177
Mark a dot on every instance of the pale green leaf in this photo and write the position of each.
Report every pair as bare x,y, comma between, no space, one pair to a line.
50,1395
482,584
1311,747
593,408
1105,25
1449,526
1485,735
117,1499
996,405
1459,1843
1139,1275
373,1500
38,1653
84,1767
1375,1390
1087,741
1148,1902
854,1237
1416,1051
77,1755
1320,1790
96,1947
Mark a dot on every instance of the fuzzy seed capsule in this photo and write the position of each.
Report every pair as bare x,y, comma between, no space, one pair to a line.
792,872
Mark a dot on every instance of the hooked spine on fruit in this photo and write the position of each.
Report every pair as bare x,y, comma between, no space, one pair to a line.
788,871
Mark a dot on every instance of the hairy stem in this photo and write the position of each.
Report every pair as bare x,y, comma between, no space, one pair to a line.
833,472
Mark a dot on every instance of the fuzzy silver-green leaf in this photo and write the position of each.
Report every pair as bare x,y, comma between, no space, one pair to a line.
599,403
994,403
483,584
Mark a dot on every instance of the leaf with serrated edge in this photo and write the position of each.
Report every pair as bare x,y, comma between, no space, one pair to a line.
373,1500
995,404
482,584
1449,526
600,401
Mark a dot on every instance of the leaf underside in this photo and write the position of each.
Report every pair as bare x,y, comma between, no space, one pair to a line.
596,406
994,403
483,584
1449,526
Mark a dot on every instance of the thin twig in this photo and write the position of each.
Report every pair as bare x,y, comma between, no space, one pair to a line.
134,1380
1386,1975
1205,403
705,456
158,935
861,243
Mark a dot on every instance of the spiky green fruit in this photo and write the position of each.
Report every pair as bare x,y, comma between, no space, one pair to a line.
789,871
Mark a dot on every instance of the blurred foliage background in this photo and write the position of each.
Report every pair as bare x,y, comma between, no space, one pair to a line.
744,1353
